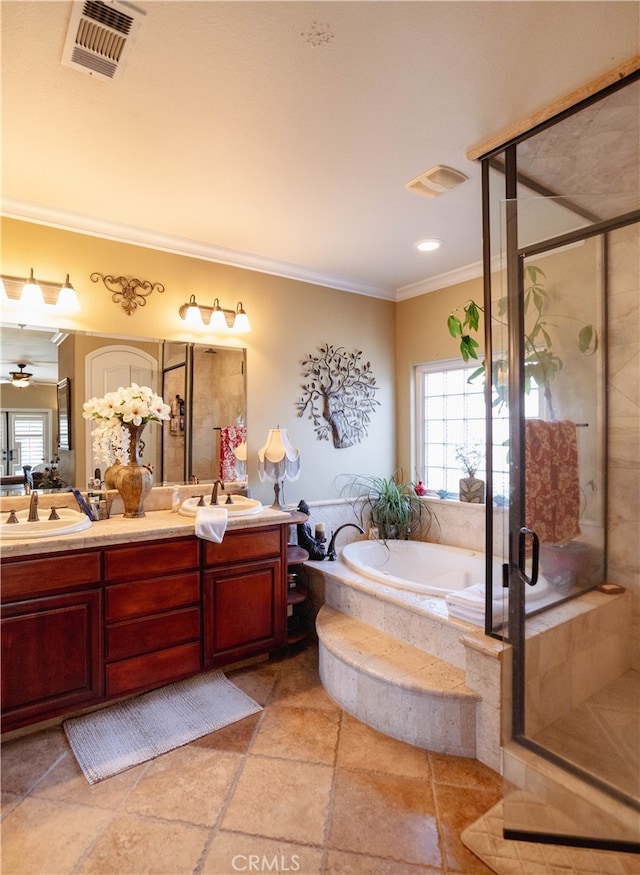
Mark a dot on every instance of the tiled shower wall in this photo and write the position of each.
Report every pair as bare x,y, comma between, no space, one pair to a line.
623,512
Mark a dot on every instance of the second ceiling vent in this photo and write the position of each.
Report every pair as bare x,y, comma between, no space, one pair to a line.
100,36
436,180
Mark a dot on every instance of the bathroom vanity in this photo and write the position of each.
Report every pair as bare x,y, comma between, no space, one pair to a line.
130,605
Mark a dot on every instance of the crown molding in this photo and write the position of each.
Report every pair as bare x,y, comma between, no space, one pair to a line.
442,281
66,220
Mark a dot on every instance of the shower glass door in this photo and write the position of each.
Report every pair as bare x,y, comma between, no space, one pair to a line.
575,689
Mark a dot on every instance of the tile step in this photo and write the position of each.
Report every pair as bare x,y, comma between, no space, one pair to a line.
395,687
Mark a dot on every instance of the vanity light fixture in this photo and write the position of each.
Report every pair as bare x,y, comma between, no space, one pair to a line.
216,317
38,294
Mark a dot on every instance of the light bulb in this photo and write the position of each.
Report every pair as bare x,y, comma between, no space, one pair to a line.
32,293
241,322
218,321
67,298
193,314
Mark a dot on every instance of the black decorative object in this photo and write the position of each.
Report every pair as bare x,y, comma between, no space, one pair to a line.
339,395
314,546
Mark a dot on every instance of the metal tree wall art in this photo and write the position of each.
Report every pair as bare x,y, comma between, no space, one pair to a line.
339,395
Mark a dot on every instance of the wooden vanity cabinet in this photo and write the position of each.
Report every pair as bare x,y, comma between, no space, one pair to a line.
244,595
83,627
153,625
51,637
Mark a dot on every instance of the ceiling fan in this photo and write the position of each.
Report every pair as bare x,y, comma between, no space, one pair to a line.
20,379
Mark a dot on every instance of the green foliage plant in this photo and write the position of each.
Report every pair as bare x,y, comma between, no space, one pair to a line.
393,507
541,364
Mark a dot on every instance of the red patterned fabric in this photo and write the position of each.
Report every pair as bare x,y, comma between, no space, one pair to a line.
230,437
552,487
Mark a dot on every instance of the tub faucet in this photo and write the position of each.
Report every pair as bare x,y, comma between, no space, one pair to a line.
331,551
214,492
33,507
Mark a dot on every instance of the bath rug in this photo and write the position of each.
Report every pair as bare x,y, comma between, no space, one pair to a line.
124,735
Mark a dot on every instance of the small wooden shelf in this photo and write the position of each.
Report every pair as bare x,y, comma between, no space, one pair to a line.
298,599
297,596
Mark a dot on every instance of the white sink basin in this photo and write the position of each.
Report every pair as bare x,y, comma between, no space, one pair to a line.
240,506
70,521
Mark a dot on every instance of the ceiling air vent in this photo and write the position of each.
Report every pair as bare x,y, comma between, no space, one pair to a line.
100,36
436,180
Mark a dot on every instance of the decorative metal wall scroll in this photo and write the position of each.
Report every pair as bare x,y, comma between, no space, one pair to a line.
129,292
339,395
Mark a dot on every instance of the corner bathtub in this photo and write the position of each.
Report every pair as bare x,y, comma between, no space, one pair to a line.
421,567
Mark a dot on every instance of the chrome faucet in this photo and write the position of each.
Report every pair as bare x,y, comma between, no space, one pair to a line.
33,507
331,550
214,493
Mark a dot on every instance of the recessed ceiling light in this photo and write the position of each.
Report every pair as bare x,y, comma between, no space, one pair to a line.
428,245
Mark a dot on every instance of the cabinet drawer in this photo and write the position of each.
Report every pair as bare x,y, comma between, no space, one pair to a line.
48,576
241,546
150,560
135,637
140,597
153,669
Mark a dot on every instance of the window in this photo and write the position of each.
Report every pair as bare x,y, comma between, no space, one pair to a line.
450,413
25,438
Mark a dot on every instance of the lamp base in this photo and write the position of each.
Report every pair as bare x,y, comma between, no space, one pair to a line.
277,504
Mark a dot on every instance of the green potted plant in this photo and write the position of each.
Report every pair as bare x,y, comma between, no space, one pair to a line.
391,506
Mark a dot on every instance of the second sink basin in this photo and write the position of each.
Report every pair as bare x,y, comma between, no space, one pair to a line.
240,506
70,521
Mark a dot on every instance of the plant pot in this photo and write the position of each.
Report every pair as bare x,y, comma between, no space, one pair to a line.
567,564
472,490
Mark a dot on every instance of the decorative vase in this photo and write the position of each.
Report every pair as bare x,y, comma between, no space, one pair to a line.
472,490
110,475
134,481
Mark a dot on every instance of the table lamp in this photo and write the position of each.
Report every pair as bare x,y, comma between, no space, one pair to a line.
278,460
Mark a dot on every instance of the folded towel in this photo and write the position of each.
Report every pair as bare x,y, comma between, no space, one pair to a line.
211,523
468,604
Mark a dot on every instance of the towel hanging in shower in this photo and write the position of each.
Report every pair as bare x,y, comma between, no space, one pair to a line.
552,486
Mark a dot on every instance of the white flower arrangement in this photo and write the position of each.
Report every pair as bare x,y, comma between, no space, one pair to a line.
136,405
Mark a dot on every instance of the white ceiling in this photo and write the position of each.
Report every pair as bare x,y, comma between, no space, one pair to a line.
230,134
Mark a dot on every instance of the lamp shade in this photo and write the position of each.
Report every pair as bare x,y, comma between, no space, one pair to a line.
67,298
32,293
278,459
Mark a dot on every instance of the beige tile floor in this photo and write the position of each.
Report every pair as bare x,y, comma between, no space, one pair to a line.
301,787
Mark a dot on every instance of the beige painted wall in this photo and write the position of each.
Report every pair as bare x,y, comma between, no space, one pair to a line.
422,336
289,320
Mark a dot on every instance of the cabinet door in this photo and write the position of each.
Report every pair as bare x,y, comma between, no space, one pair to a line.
244,611
51,656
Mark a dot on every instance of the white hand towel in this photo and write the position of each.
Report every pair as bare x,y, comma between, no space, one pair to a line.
468,604
211,523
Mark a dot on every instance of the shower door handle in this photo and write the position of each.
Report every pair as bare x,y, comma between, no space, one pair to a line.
535,554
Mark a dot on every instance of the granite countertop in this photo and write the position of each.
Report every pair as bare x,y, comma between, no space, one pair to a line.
155,525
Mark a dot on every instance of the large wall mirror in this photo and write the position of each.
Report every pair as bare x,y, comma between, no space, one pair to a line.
204,384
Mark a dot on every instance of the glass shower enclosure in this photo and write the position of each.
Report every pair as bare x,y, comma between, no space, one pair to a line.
562,252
